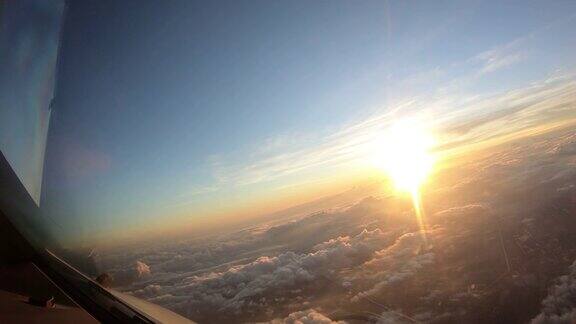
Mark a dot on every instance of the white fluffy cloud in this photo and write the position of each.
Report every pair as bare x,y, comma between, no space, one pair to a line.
310,316
239,286
560,305
398,262
364,262
137,271
142,269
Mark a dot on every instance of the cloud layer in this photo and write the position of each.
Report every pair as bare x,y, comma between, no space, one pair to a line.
498,228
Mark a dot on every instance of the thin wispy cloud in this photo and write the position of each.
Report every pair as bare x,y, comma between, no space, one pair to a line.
504,55
349,144
495,60
459,115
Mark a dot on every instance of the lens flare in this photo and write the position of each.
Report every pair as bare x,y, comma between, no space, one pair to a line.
403,152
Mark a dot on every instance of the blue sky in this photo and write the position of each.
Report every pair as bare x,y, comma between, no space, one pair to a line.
186,107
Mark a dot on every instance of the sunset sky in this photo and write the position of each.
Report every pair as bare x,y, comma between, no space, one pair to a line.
235,109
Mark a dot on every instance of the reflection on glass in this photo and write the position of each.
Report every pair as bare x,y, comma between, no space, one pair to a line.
29,38
328,161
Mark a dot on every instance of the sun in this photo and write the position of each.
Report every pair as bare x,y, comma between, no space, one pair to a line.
403,153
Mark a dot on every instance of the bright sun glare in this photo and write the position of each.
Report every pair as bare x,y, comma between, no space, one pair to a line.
403,153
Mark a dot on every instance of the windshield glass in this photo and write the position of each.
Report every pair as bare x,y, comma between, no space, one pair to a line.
313,161
29,40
